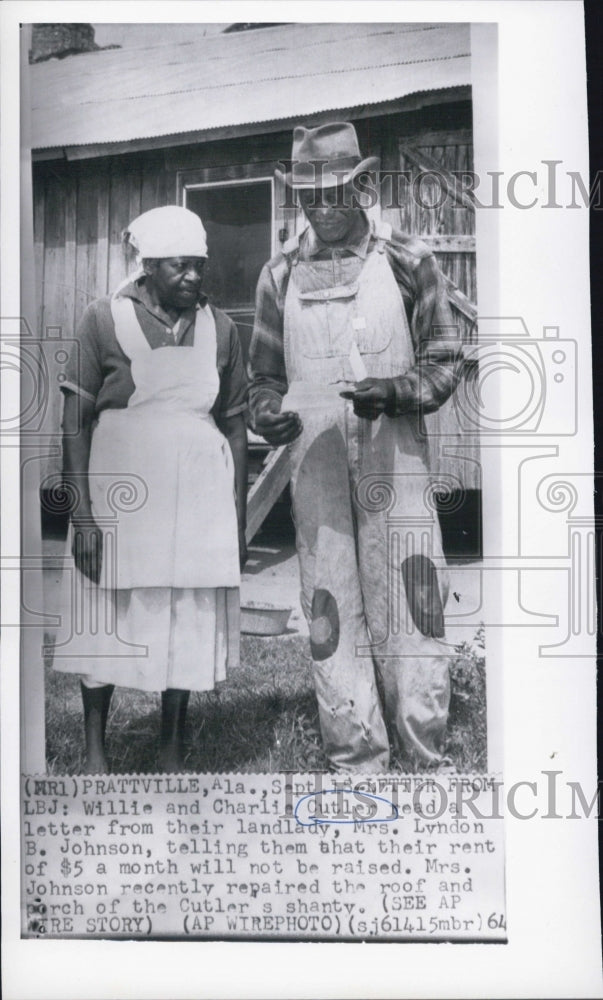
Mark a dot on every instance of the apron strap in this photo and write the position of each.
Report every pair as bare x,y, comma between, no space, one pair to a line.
205,324
290,252
132,340
383,235
128,330
205,341
291,246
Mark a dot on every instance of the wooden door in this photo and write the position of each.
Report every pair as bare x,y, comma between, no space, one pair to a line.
248,216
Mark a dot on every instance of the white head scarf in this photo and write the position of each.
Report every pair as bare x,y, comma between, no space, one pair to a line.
170,231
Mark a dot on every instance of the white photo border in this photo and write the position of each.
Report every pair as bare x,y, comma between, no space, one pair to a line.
548,710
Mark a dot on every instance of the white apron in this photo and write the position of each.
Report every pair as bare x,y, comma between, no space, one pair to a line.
165,611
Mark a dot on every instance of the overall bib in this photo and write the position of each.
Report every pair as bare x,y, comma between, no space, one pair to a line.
366,537
161,477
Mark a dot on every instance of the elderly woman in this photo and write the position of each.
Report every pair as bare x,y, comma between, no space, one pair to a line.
155,453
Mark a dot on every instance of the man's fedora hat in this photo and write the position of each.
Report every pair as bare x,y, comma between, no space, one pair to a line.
325,156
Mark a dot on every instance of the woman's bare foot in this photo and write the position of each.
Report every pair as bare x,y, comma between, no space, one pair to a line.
96,709
173,715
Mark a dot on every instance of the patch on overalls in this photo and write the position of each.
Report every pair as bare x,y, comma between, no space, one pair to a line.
324,627
423,595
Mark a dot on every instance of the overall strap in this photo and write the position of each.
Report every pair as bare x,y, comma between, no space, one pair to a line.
291,246
383,235
290,252
128,330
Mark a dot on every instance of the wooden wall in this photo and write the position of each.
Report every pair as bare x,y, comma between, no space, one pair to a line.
82,207
440,139
80,210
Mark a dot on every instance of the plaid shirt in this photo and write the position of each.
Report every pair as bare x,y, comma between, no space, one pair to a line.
436,339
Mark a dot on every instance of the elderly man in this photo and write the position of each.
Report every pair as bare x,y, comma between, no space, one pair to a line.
353,326
155,408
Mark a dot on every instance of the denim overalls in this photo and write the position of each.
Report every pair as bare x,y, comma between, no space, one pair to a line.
367,537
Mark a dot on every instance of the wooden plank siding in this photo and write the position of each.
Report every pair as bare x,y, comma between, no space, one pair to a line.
81,208
454,453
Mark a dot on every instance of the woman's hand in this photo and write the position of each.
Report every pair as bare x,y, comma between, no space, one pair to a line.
87,549
243,553
235,430
87,545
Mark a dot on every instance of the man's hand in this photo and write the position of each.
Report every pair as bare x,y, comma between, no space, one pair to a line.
87,549
372,397
276,427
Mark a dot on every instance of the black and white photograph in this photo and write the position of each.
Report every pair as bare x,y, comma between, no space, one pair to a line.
307,548
261,504
356,531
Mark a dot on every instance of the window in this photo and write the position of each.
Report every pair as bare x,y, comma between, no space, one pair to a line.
237,216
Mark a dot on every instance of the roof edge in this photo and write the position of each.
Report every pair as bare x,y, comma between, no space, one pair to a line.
409,102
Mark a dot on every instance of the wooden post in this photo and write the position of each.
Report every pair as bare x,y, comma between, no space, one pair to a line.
32,716
267,489
428,165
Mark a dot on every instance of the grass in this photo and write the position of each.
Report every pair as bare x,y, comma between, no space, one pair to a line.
264,718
